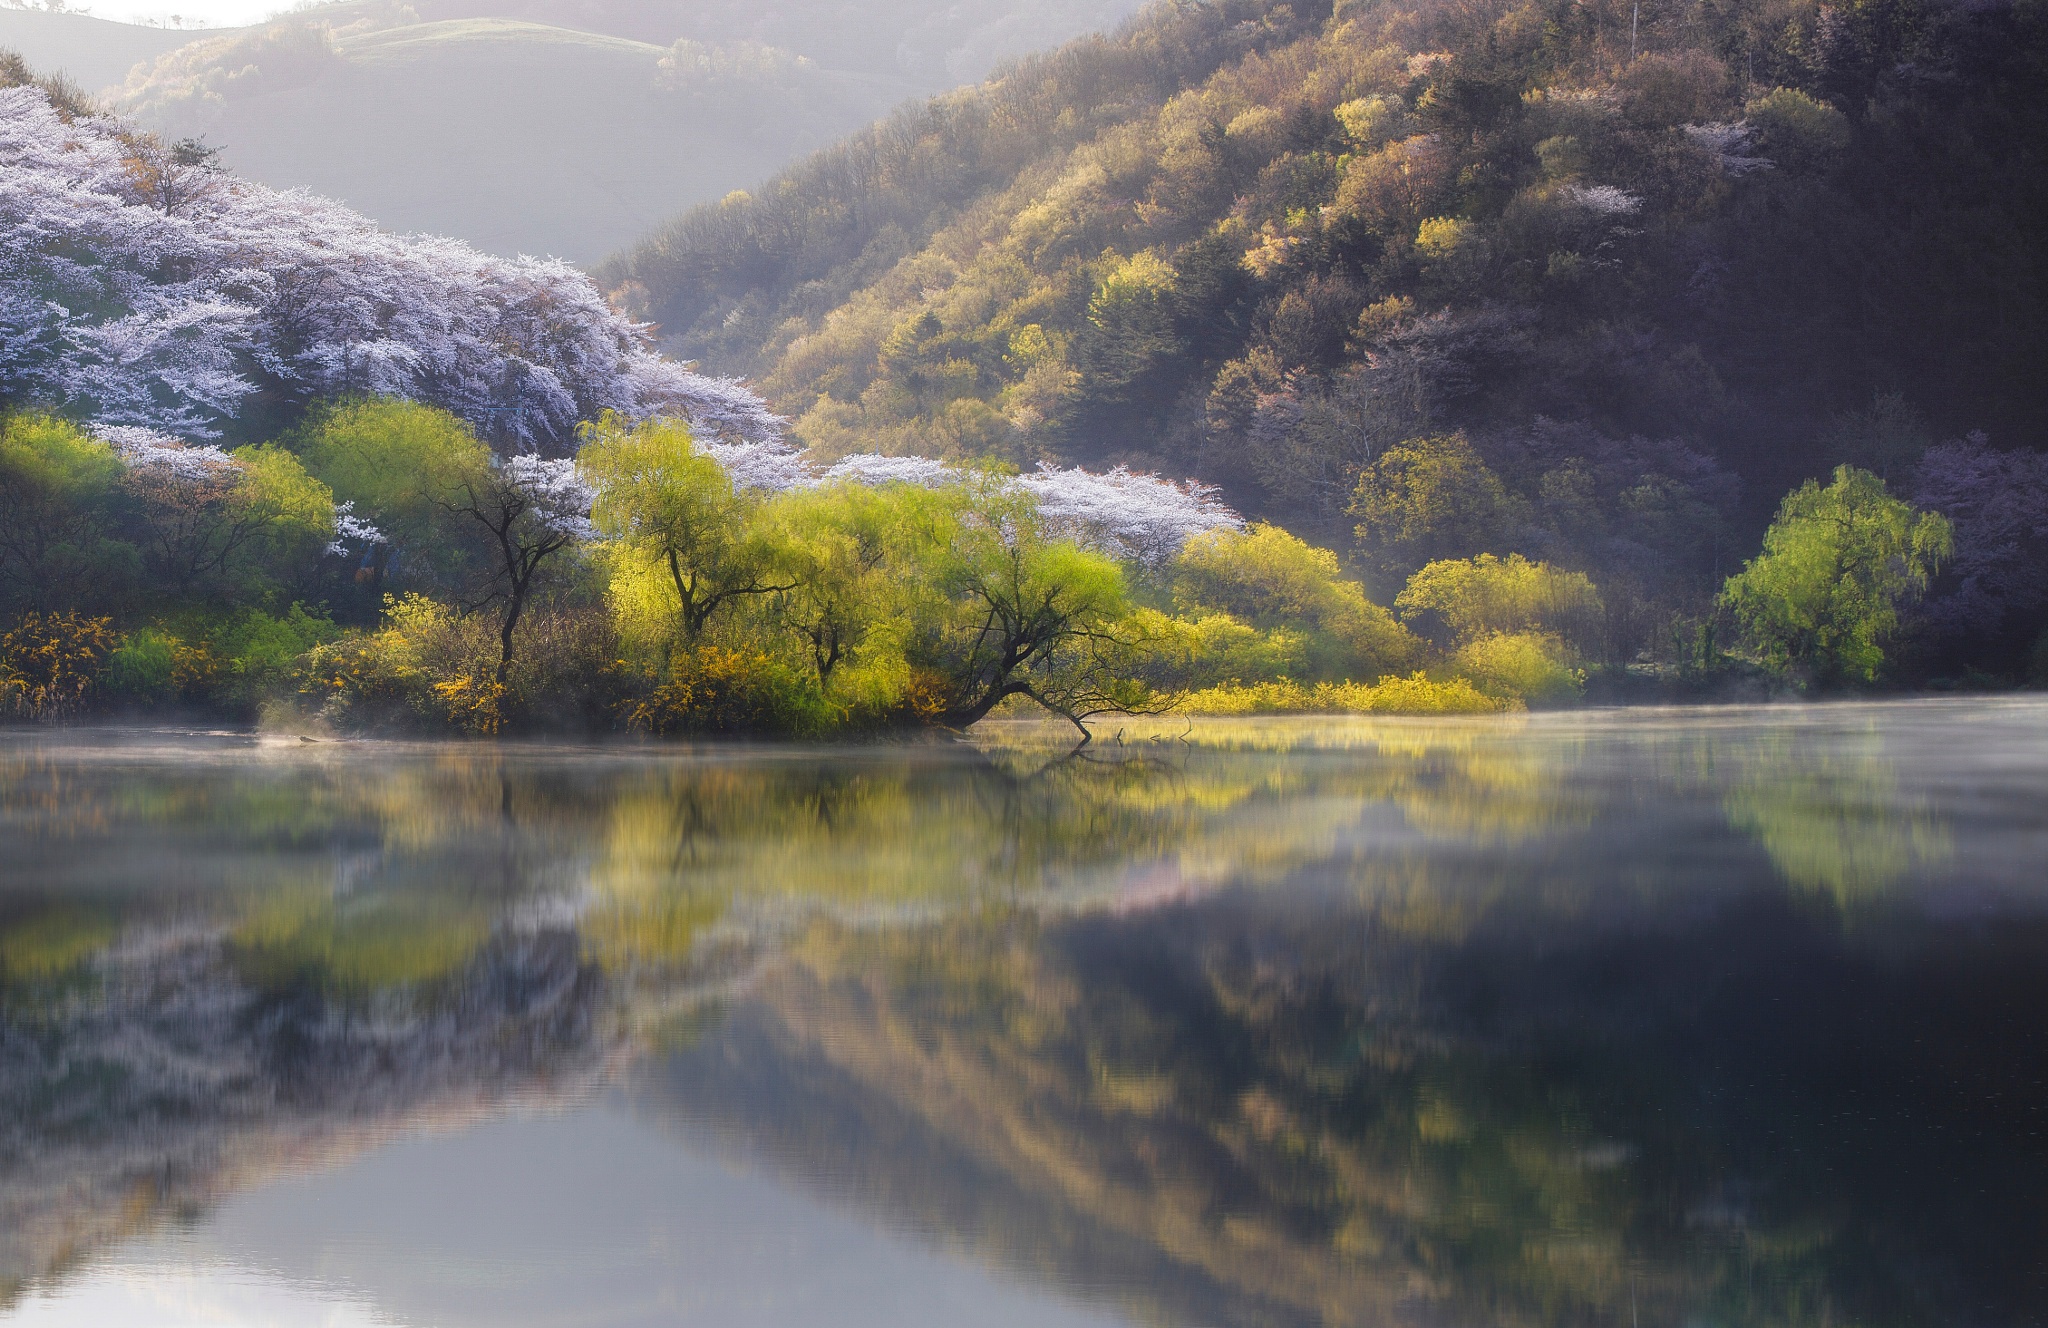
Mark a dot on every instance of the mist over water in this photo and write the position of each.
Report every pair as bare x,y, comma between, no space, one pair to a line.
1714,1016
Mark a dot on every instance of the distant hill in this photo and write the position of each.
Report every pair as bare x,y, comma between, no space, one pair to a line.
542,126
91,52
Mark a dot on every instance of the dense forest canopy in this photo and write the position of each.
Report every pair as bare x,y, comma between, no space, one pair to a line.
1586,282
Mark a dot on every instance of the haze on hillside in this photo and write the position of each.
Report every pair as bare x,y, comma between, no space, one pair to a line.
564,127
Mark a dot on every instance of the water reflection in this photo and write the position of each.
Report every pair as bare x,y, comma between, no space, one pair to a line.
1715,1017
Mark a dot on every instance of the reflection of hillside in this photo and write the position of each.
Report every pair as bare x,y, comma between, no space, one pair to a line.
1311,1121
1181,1106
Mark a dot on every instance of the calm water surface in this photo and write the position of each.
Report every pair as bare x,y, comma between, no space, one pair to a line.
1656,1018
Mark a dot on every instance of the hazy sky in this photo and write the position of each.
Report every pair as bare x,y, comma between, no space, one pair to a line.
194,13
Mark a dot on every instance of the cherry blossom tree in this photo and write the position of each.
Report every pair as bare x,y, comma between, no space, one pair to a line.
142,288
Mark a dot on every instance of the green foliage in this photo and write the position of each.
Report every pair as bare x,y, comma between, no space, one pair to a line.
1513,282
1528,666
59,506
1457,601
1417,694
715,690
242,535
1277,583
144,667
1824,595
684,544
1427,499
428,666
403,465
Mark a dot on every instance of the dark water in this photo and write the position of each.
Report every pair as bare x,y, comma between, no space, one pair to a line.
1685,1018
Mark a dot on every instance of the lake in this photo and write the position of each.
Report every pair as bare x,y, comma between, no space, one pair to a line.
1660,1017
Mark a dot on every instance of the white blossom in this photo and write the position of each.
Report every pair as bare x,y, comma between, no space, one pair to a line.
1142,518
1728,143
558,497
352,529
773,467
874,468
113,307
163,457
1604,199
1139,518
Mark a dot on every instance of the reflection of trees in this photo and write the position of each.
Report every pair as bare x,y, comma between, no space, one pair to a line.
1239,1117
1830,811
1061,1001
174,1080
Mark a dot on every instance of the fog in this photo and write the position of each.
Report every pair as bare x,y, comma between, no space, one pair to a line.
562,127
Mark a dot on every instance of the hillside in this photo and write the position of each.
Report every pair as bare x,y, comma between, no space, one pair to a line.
1623,303
91,52
558,128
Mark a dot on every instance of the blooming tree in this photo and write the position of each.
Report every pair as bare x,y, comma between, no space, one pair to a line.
1604,200
1996,593
1139,518
135,296
1729,144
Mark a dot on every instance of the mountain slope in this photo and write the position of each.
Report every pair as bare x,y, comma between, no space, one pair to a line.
542,126
1620,286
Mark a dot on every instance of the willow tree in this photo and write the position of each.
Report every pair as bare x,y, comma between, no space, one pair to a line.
1824,596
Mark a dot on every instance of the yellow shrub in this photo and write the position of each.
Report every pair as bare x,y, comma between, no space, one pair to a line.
1417,694
50,663
1529,665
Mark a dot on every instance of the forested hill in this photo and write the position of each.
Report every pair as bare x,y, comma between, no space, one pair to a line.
1675,260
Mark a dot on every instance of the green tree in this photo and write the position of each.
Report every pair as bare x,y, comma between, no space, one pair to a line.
1824,595
1018,612
1430,498
671,510
1460,599
840,550
238,533
60,492
402,465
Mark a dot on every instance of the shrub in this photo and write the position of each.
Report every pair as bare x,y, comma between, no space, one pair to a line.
144,667
1295,594
50,663
1527,665
1417,694
1460,600
715,689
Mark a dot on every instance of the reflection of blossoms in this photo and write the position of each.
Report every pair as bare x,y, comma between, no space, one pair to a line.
175,317
556,495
